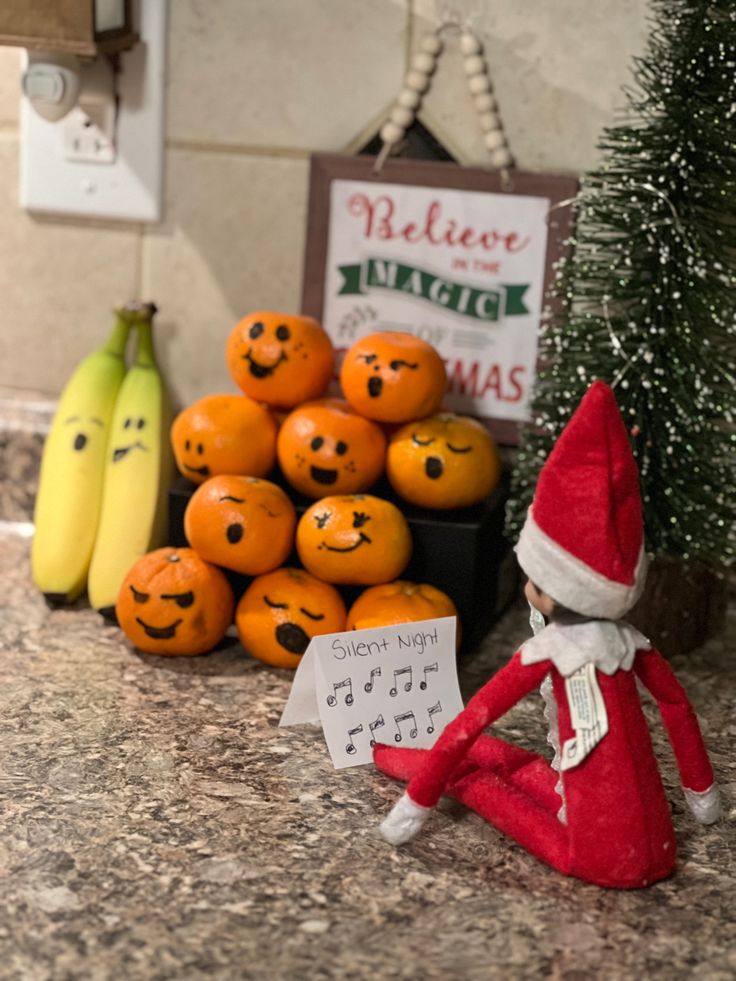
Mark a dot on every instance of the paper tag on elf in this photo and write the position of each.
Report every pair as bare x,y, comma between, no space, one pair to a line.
588,716
395,685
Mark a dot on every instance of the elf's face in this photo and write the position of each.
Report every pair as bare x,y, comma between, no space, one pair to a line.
538,599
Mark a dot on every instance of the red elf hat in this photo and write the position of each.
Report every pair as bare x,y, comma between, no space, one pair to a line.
583,539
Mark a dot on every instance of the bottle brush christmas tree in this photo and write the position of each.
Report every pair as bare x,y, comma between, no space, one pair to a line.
647,296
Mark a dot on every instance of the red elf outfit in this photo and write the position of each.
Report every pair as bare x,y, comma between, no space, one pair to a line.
598,811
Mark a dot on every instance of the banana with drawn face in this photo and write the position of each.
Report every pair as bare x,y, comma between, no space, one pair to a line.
72,471
138,472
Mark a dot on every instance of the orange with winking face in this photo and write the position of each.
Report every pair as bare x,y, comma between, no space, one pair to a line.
354,538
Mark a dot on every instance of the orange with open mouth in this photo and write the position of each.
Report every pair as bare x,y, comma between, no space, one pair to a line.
444,461
280,359
393,376
324,446
241,523
354,539
281,611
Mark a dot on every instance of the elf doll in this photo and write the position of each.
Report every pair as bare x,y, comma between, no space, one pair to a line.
598,811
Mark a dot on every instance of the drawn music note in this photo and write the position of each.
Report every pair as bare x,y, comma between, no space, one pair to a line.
351,747
376,724
346,683
404,717
433,710
375,673
407,685
428,668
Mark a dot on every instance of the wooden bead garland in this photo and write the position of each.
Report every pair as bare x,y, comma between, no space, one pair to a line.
470,44
417,81
479,84
415,85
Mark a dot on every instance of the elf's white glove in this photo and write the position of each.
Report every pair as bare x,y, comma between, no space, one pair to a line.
404,821
705,804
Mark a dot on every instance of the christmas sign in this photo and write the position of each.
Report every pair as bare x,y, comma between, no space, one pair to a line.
395,684
446,253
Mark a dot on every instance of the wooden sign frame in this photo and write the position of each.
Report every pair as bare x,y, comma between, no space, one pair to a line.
326,168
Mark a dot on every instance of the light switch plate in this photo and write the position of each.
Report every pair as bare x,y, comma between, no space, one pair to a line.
130,186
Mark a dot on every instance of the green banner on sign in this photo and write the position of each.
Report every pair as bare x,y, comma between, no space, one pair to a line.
470,301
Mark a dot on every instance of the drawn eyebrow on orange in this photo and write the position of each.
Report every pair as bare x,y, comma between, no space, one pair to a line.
312,616
181,599
276,606
271,514
229,497
459,449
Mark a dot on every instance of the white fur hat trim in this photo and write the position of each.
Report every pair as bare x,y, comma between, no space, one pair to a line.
572,583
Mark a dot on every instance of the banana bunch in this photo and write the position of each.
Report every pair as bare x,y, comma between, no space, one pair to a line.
101,500
139,468
72,469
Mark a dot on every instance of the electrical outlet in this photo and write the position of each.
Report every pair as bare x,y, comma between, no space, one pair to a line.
88,138
105,159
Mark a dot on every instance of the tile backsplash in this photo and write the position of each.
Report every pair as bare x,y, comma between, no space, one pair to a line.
254,86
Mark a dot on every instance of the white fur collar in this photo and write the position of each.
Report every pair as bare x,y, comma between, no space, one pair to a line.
609,644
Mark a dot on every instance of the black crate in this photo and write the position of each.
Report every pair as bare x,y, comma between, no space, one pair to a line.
462,552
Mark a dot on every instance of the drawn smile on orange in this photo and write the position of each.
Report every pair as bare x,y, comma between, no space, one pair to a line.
203,470
348,548
259,370
160,633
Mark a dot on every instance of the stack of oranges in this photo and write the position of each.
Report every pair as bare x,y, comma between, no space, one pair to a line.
331,450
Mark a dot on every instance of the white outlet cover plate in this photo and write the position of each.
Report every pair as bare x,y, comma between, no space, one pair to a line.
130,188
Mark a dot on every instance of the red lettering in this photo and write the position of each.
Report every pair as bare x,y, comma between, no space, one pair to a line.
460,382
492,382
510,242
381,222
361,204
450,232
465,379
518,390
488,240
410,233
433,213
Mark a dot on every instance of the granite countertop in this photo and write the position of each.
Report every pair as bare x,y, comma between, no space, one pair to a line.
157,824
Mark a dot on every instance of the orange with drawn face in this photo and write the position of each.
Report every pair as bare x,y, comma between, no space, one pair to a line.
325,445
393,377
241,523
445,461
224,434
280,612
280,359
356,538
173,602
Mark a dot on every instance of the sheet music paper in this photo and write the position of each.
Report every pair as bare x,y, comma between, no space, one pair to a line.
395,685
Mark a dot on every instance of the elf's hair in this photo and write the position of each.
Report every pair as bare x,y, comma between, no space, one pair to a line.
561,614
